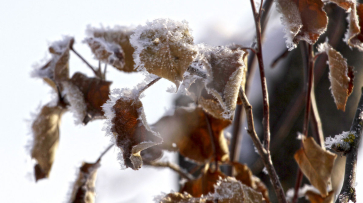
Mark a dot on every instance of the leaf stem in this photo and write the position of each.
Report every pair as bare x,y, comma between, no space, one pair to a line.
149,85
348,189
265,155
212,140
173,167
84,60
104,152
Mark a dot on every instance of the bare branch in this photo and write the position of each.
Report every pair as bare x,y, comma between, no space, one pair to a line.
173,167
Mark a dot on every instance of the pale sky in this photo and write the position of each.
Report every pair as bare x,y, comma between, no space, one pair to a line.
26,29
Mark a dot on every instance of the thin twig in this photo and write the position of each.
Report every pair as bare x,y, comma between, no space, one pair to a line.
310,67
148,85
104,152
279,57
348,190
266,108
261,150
212,140
316,121
104,71
86,62
173,167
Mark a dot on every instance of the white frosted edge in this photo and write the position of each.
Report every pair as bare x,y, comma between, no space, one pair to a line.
76,100
302,191
339,140
114,31
30,141
161,27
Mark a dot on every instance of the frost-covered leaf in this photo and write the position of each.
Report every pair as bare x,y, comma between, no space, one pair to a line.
126,123
110,53
56,69
303,20
204,184
86,96
45,130
244,174
316,164
341,75
317,198
84,188
165,48
112,45
211,105
187,131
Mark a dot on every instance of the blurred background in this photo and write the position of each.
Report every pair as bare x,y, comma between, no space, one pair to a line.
27,28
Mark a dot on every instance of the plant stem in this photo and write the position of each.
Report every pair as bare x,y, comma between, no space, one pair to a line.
104,152
212,140
84,60
265,155
316,121
266,108
348,189
148,85
173,167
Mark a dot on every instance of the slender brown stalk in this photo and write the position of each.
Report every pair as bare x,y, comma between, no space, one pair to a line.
149,85
348,190
173,167
212,139
266,108
265,155
309,84
316,121
104,152
86,62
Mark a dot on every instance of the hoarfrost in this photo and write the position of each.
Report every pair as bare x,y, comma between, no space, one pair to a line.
341,141
76,100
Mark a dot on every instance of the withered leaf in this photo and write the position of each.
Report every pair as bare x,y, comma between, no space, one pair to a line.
128,126
187,131
117,41
84,188
165,48
341,75
317,198
56,69
204,184
94,93
316,164
244,174
304,20
45,130
227,70
107,52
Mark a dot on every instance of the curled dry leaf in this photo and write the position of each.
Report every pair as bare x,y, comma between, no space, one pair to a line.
317,198
341,75
112,46
56,69
204,184
45,130
228,190
187,131
227,69
244,174
316,164
84,188
86,96
303,20
127,124
165,48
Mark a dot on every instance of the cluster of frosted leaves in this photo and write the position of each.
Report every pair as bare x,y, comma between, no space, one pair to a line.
86,96
126,123
226,190
45,129
341,75
187,132
56,69
226,73
83,190
303,20
316,164
165,48
112,46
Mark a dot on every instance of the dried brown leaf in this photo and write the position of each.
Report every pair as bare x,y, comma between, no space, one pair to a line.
304,20
317,198
187,131
84,188
128,126
165,48
341,76
45,129
116,38
316,164
94,93
227,70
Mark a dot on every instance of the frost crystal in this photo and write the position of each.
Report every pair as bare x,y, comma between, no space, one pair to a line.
341,142
76,100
